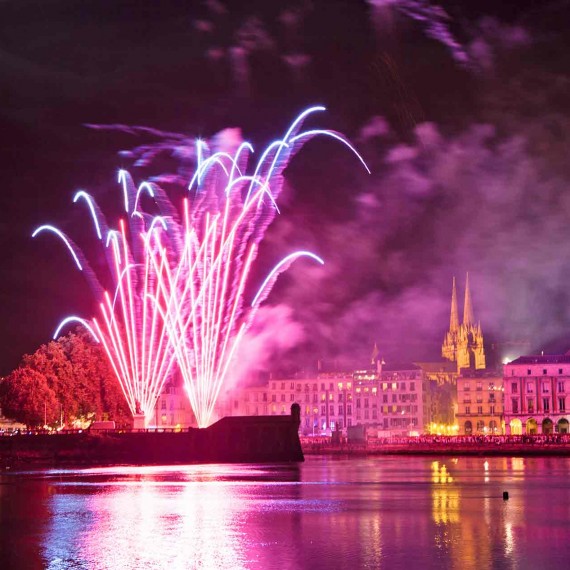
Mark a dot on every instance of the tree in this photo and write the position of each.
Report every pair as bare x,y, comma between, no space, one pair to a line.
26,397
75,371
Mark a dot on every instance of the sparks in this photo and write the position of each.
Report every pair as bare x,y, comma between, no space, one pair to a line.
180,281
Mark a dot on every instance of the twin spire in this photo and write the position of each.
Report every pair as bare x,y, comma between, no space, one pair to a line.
468,318
463,343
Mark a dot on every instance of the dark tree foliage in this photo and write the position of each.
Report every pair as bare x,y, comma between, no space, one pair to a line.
26,397
71,378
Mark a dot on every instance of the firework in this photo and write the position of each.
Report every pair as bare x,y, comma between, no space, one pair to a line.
181,280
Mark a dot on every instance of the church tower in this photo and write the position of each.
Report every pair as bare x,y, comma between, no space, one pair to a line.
464,343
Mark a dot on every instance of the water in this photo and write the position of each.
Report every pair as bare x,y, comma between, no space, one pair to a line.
385,512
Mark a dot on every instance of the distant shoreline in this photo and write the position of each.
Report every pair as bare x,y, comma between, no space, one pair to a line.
475,449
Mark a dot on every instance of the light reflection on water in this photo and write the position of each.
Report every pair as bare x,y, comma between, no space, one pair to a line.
384,512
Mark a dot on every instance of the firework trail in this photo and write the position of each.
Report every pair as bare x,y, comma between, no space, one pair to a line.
130,324
181,284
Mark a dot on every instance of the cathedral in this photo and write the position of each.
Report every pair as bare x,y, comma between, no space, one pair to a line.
463,342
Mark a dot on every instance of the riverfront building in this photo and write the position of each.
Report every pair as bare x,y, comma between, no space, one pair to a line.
388,400
480,402
537,394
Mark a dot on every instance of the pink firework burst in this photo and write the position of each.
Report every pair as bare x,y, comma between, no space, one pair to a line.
180,281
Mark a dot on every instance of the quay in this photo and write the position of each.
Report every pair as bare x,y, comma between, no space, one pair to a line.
509,446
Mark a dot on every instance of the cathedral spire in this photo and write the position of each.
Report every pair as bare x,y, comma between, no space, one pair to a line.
468,318
454,319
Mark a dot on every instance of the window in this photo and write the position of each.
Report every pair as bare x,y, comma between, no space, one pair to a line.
366,402
282,397
349,422
323,410
544,370
562,404
394,398
349,411
366,414
163,405
515,405
274,397
546,405
530,387
491,397
479,386
561,386
315,398
358,402
322,387
514,387
545,388
530,406
292,398
374,414
491,410
560,371
265,396
331,387
480,410
403,386
340,410
412,386
467,410
466,387
331,410
292,385
480,425
385,398
528,371
282,385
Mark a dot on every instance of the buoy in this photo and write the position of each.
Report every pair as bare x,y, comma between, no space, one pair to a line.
505,495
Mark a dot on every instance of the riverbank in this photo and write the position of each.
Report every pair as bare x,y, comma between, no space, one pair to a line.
435,449
256,439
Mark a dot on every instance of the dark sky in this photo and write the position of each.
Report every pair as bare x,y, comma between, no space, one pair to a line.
463,120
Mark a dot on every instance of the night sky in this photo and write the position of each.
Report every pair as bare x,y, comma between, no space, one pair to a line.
462,119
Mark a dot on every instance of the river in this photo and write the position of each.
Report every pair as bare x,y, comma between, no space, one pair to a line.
383,513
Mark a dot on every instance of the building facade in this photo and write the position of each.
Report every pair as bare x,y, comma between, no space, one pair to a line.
537,394
479,402
388,400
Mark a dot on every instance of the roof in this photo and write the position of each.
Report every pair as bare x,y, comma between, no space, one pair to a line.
443,366
398,366
542,359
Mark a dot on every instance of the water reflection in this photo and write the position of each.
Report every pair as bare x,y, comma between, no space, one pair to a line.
154,517
325,514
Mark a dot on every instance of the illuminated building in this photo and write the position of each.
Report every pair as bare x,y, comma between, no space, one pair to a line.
480,402
172,409
536,389
463,343
390,400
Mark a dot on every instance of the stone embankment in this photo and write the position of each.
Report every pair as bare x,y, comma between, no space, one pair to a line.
540,445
